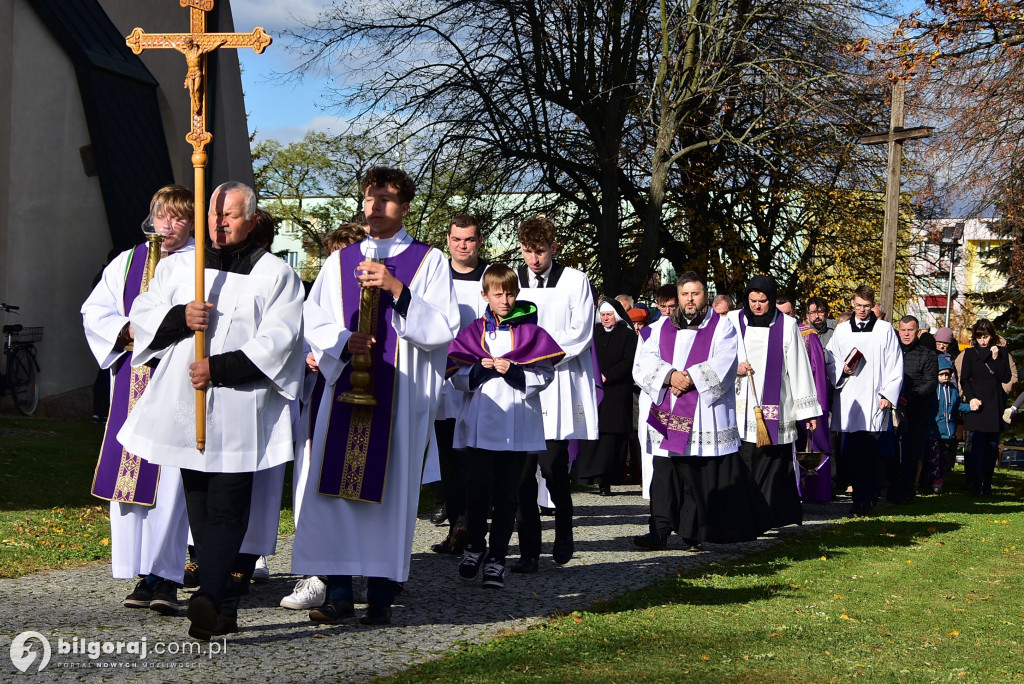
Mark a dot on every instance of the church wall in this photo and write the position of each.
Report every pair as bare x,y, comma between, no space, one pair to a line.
52,220
229,151
53,231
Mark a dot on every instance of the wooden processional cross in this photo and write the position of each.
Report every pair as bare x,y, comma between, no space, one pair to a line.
895,137
195,45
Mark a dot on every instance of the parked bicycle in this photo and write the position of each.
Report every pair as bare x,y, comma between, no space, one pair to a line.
19,376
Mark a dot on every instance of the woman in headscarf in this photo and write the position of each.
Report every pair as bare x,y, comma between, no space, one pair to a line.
615,344
774,368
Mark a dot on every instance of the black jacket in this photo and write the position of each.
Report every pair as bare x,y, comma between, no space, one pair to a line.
982,377
920,380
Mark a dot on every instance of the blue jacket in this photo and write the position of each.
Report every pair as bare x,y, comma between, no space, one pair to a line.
949,404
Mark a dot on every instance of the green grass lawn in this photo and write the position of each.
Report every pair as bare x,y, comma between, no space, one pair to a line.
48,518
934,592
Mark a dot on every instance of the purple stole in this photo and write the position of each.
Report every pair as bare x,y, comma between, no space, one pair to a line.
358,439
771,393
675,423
530,344
121,476
817,441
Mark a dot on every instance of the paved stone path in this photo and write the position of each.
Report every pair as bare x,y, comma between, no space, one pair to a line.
435,611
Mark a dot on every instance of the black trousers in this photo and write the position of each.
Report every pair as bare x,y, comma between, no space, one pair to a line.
218,512
554,466
666,497
493,488
454,473
862,452
910,454
980,464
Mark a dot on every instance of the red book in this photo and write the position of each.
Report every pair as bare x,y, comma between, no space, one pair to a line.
854,358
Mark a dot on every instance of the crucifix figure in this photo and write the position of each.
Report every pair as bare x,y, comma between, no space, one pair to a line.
895,137
195,45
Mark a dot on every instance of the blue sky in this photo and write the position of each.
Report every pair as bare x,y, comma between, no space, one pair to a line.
280,110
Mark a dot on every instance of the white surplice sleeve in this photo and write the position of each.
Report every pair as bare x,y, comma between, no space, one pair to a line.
650,371
433,318
802,390
835,354
576,337
103,315
151,307
276,348
714,377
323,321
892,368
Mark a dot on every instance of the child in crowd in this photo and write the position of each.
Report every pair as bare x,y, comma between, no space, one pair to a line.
942,453
503,360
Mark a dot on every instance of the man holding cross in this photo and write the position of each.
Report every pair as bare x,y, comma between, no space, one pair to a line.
252,317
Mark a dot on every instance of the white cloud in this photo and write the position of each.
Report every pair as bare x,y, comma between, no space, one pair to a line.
273,15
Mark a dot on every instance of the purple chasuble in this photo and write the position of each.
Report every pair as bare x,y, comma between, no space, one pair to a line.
771,392
121,476
675,423
358,439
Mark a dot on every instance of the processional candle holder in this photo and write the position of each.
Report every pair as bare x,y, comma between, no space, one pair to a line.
361,393
155,240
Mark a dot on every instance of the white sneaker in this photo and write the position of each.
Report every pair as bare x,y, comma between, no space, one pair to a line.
309,593
262,572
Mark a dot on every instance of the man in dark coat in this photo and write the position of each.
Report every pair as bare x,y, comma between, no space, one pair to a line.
916,403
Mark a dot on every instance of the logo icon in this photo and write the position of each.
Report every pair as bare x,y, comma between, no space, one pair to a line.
24,654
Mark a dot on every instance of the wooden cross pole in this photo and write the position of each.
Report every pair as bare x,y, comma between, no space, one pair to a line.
895,137
195,45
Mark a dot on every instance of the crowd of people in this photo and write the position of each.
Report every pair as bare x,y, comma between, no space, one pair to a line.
400,367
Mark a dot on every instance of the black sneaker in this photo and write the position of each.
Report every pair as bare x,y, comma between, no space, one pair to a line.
494,574
165,598
652,541
332,610
191,580
469,567
141,597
